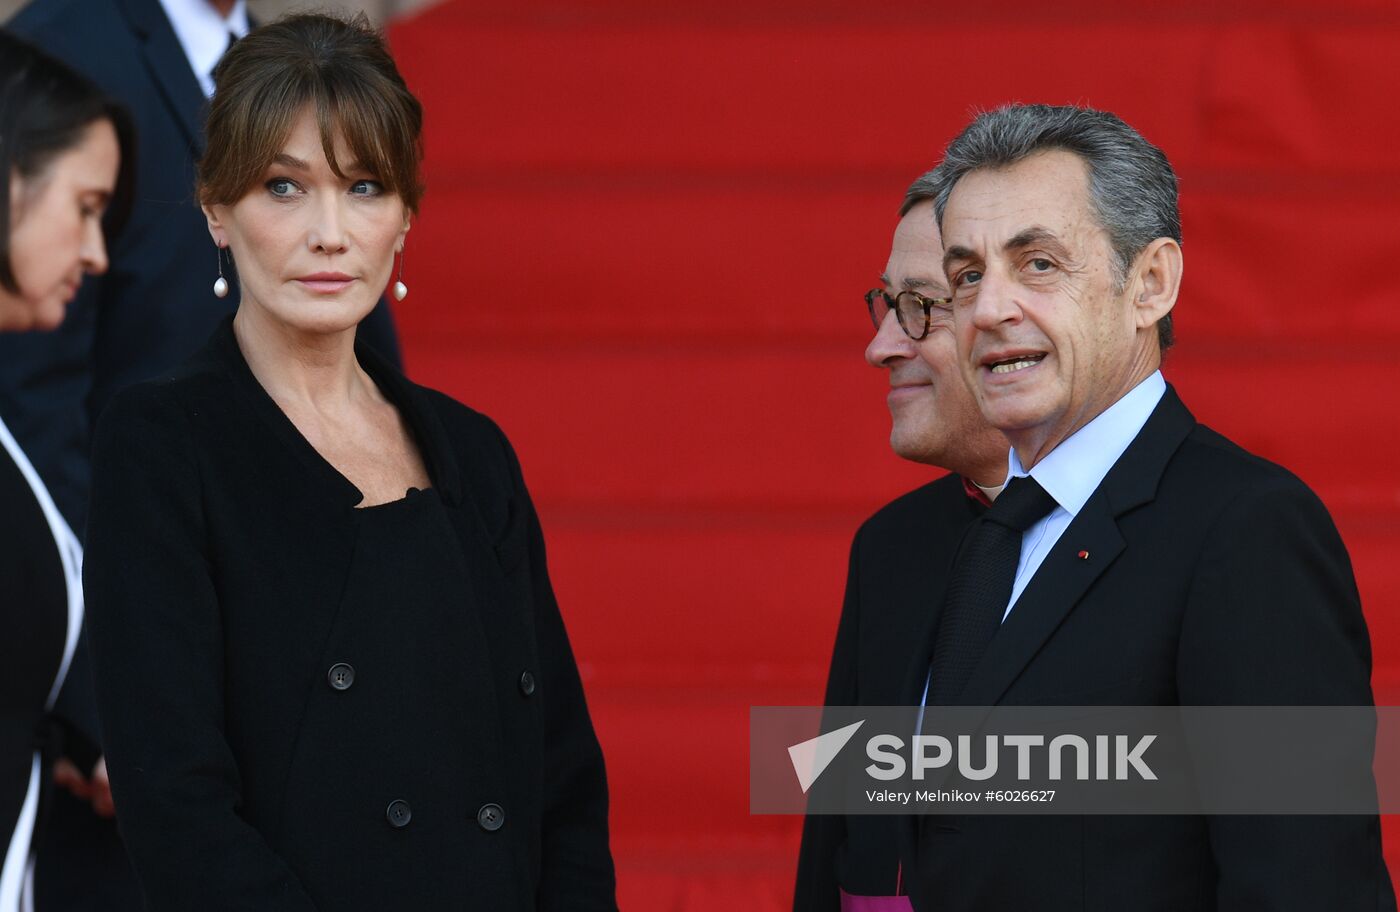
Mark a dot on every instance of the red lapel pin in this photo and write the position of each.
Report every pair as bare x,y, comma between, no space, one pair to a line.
1083,555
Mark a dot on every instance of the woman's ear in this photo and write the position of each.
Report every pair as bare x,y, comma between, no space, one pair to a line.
214,216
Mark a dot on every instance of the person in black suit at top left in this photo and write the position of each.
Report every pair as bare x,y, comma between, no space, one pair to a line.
153,308
331,670
65,154
901,552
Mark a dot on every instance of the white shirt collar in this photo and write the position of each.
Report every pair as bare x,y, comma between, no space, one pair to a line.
203,34
1072,471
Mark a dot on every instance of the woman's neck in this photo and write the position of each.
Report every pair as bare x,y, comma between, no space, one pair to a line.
299,368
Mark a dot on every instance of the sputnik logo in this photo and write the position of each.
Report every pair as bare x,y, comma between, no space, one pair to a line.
811,758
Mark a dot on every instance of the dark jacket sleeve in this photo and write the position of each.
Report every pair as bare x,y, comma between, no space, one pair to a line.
74,715
822,835
157,640
576,861
1274,618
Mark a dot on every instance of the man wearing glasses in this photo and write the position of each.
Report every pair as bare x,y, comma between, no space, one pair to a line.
847,863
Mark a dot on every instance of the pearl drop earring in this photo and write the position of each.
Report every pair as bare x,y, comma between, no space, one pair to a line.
221,283
400,289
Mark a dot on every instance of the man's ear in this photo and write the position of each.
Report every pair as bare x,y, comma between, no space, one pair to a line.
1156,281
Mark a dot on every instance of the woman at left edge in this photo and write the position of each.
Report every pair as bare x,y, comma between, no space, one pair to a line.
65,153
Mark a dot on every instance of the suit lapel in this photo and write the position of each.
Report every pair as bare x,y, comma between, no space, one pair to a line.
1056,588
169,68
1064,576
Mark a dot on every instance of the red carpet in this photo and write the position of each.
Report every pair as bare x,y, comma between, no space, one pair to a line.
645,237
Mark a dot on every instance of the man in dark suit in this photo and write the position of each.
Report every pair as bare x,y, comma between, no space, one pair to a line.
154,308
1168,566
935,422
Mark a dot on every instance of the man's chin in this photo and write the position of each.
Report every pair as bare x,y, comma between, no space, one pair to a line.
915,445
1009,411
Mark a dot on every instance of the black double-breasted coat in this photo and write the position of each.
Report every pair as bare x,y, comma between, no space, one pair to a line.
223,583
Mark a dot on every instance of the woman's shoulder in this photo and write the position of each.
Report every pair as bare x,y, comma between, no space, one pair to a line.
163,404
469,445
466,426
166,394
456,415
461,423
203,376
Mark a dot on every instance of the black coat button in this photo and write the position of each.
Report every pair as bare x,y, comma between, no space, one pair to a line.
491,817
527,683
398,814
341,676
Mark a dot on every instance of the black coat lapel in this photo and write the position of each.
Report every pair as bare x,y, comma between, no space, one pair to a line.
169,68
1064,577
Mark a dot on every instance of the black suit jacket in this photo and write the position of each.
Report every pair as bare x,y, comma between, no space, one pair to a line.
155,306
1214,578
218,551
895,557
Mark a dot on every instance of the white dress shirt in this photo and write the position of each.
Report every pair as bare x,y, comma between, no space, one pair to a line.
204,34
1072,471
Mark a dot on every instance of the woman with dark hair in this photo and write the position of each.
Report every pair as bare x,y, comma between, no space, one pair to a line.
331,670
64,157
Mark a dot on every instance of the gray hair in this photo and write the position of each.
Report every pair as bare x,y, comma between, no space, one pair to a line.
1132,187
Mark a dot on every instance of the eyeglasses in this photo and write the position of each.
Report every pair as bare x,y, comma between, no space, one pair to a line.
914,311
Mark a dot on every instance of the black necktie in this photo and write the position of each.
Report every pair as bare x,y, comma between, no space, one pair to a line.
980,586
